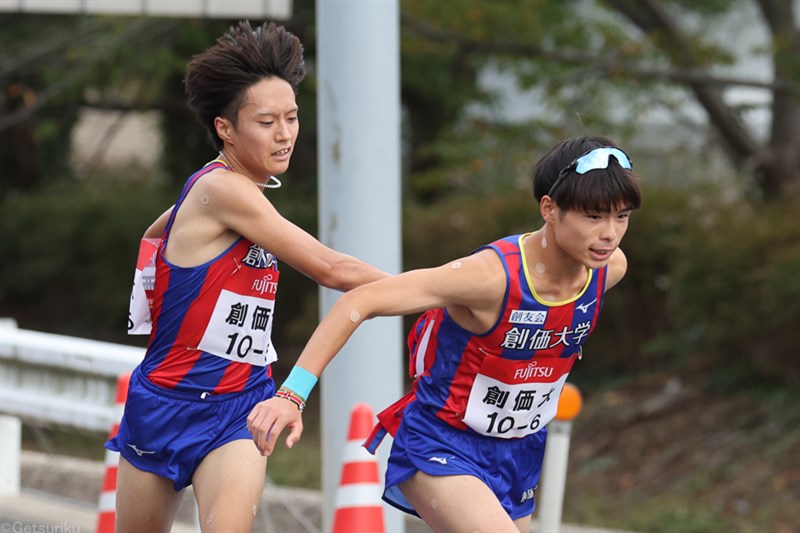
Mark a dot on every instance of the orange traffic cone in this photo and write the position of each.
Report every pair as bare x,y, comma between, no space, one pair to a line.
106,506
358,500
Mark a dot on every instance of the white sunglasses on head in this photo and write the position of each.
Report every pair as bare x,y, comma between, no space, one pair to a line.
594,159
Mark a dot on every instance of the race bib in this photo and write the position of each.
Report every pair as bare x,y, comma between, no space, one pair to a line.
515,398
240,328
144,279
240,324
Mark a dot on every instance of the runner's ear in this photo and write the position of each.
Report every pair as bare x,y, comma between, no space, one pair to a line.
547,209
224,128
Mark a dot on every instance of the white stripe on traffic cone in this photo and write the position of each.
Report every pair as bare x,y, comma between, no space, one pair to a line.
358,499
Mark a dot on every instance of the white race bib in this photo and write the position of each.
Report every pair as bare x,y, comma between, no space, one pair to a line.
515,398
240,328
144,278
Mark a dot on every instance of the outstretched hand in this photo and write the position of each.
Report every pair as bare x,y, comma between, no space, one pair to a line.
269,418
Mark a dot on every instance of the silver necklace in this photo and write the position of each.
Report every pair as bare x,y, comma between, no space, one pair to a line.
264,185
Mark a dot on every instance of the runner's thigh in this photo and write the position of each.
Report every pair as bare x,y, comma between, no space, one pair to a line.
145,501
456,504
523,524
228,485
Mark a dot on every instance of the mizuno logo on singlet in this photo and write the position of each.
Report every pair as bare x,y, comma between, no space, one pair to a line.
441,460
585,307
138,451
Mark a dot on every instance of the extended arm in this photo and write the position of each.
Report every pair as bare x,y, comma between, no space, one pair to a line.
475,284
246,212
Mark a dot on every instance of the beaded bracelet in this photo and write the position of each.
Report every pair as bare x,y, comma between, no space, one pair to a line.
287,394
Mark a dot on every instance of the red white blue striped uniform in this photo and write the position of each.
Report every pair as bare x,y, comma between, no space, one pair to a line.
184,302
446,359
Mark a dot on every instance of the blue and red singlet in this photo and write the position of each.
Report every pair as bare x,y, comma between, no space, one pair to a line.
211,323
506,382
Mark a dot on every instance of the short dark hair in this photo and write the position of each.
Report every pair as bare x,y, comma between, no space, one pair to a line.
217,79
599,190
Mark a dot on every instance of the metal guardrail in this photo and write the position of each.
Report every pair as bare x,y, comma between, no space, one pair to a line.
61,380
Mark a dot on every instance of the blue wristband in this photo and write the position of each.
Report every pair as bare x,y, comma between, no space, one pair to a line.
300,382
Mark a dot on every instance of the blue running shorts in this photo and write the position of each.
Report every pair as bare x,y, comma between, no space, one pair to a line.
510,467
169,433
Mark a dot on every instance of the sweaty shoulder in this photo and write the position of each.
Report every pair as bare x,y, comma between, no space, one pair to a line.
617,266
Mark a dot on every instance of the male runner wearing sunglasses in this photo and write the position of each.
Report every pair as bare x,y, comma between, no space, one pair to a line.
501,330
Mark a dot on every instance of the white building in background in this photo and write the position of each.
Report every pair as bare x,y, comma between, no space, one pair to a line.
115,138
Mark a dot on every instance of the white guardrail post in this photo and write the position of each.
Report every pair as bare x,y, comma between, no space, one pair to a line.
55,379
556,454
10,443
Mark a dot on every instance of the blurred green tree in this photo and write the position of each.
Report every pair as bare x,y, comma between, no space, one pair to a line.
605,61
610,61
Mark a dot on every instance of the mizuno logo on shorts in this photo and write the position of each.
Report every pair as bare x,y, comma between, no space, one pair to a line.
138,451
